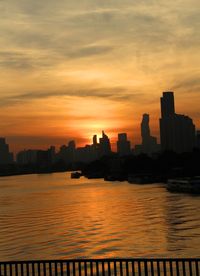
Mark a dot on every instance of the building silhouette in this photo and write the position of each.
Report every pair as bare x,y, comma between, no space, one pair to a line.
85,154
94,151
177,132
167,104
26,157
70,154
104,145
6,157
88,153
40,158
67,153
123,145
52,154
149,143
95,148
198,139
94,139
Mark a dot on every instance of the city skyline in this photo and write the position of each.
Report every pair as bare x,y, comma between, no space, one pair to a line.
88,140
178,133
70,69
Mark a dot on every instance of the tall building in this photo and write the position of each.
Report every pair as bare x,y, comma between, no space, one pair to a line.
177,132
67,153
198,139
145,129
104,145
95,148
6,157
94,140
149,143
167,104
123,145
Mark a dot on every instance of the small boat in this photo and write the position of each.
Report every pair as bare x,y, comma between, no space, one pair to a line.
76,175
94,175
141,179
115,177
184,185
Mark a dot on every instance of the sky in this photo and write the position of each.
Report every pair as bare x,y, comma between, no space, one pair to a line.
70,69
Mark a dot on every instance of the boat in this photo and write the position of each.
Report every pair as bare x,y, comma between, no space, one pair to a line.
76,175
94,175
184,185
115,177
143,179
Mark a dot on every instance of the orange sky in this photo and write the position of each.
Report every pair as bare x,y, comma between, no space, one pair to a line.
70,69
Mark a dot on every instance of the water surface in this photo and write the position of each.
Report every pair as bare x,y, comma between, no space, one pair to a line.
51,216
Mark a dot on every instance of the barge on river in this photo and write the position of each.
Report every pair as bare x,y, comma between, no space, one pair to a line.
184,185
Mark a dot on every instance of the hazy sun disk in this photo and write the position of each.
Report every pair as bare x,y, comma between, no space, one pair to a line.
90,116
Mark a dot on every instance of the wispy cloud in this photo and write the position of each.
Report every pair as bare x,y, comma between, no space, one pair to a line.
188,84
122,51
117,94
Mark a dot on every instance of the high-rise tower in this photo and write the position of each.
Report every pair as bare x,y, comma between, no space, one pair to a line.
123,145
177,132
145,129
167,104
104,145
149,143
6,157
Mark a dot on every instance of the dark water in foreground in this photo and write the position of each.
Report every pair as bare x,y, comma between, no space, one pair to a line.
52,216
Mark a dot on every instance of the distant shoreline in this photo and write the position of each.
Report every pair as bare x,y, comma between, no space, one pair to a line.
31,172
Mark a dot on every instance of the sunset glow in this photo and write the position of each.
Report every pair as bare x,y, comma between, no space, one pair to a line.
70,69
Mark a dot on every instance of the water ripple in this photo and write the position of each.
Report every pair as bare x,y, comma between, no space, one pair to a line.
54,216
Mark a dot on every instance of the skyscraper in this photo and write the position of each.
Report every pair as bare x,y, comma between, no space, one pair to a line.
167,104
145,129
5,156
198,139
177,132
95,140
123,145
104,145
149,143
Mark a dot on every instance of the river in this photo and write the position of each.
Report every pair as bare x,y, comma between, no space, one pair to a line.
52,216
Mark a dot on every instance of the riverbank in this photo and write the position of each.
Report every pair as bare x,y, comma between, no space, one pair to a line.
140,168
